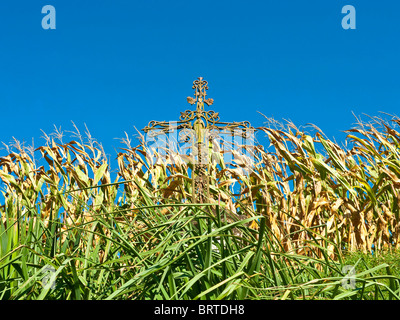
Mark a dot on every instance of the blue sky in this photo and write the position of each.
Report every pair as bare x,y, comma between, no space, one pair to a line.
116,65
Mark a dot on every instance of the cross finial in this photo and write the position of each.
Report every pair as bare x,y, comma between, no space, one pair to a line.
200,86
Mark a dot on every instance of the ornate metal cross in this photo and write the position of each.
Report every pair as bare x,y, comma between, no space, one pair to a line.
201,122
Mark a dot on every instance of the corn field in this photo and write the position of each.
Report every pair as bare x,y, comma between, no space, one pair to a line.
305,201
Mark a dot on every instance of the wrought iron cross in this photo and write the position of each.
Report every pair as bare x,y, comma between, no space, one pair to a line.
201,122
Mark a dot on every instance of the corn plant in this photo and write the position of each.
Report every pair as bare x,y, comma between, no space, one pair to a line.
66,220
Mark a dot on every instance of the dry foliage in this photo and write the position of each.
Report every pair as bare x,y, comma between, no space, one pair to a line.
347,195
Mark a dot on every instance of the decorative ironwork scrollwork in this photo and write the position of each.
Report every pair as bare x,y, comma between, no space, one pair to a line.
197,125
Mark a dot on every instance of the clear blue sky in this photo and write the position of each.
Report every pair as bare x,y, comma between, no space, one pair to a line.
118,64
